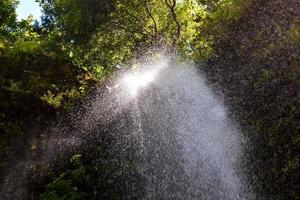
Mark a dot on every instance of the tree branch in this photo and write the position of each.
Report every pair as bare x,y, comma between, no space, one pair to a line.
172,4
148,10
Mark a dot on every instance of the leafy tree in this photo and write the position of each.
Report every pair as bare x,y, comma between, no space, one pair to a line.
7,17
66,186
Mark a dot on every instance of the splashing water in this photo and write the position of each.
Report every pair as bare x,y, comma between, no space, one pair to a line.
189,147
165,120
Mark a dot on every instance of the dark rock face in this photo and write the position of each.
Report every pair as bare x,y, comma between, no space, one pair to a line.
257,68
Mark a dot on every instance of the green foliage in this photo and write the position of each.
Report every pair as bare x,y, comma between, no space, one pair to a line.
294,32
37,77
191,44
256,67
52,99
61,190
226,13
117,35
78,20
68,184
7,17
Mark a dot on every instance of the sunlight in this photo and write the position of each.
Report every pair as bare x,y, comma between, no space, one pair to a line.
139,79
136,81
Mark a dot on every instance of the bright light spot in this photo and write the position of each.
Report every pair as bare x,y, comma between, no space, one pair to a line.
141,77
136,81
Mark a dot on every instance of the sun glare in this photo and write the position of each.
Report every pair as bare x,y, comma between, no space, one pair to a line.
136,81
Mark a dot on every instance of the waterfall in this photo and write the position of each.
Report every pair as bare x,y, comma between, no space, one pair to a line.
166,134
